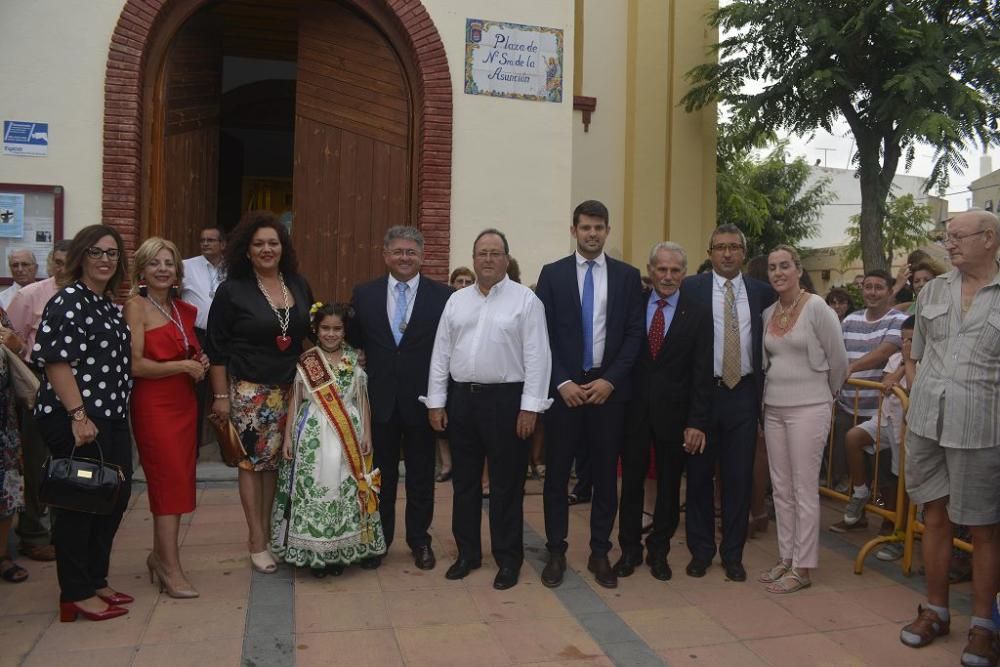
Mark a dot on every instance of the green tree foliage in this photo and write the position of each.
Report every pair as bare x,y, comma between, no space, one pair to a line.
768,198
900,72
907,225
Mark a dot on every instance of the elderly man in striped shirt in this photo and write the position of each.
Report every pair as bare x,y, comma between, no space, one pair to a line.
953,442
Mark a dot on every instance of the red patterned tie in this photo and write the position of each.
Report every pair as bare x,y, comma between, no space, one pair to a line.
657,329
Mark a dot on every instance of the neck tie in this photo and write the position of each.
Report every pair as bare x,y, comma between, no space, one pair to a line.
657,329
587,311
731,367
399,319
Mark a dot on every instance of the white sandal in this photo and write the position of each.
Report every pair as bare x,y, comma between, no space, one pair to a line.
777,571
790,583
263,562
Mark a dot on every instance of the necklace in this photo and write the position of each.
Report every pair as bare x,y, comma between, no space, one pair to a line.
176,321
283,341
784,314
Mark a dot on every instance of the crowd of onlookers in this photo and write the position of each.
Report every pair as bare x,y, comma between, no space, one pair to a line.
727,379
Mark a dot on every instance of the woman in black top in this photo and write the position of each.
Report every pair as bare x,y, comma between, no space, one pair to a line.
258,322
83,347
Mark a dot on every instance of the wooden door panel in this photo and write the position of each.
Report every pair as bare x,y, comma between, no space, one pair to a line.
189,172
352,148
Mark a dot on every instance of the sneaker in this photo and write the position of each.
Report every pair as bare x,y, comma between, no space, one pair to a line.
855,509
844,527
843,486
890,552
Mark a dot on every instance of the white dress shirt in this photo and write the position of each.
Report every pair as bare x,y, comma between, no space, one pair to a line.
7,295
201,280
411,296
600,300
719,316
500,337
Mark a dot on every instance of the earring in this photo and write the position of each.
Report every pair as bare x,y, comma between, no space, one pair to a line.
175,291
143,289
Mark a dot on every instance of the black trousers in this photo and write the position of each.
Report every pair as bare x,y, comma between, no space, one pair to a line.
482,422
417,443
596,430
670,462
83,541
732,443
33,526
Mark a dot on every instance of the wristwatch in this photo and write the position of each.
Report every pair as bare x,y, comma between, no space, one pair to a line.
78,415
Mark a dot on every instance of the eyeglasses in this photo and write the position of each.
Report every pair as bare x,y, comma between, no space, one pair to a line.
489,254
21,265
209,240
955,238
723,247
94,252
404,252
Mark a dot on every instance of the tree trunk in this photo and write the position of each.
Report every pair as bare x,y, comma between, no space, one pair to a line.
873,196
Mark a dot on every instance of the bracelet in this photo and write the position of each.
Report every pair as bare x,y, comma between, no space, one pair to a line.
78,414
221,395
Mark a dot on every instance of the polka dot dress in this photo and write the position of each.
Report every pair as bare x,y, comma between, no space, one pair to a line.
88,332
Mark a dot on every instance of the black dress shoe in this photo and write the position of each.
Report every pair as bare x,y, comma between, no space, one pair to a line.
735,571
696,568
506,578
423,557
603,574
626,565
371,563
460,568
552,574
659,567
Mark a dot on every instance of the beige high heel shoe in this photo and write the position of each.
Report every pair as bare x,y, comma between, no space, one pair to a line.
156,570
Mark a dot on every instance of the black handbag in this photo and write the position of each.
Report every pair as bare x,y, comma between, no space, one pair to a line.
81,484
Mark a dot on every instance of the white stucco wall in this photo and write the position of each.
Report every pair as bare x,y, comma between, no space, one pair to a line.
52,60
512,165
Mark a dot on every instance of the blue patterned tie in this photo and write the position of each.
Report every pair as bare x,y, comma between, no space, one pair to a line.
400,316
587,308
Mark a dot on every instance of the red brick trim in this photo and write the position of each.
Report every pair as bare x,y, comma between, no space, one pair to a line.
405,22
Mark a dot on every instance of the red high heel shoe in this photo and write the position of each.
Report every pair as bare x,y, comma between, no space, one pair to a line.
69,611
117,598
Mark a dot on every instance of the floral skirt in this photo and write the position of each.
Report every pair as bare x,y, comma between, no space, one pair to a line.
259,412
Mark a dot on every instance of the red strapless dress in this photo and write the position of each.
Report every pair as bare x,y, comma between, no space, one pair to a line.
165,420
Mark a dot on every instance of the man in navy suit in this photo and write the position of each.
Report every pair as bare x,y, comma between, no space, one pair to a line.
395,323
736,302
594,316
671,398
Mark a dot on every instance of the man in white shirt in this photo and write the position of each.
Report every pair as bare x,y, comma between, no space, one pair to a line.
493,345
202,276
23,268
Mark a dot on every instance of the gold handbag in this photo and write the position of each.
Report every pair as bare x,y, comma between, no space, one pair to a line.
23,382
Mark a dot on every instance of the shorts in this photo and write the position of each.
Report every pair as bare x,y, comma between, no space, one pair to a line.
967,477
886,438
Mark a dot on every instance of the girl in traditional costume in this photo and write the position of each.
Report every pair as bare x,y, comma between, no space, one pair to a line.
326,509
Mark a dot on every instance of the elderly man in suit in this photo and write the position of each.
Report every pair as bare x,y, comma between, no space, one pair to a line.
594,317
671,394
396,318
736,302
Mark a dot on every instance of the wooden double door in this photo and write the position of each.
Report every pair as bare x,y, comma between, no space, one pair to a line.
352,174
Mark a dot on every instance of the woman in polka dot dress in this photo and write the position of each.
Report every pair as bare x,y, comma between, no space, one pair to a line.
83,348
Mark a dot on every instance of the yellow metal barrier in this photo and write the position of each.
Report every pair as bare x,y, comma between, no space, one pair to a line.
899,515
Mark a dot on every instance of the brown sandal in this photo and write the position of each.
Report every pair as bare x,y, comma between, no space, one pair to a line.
927,627
983,645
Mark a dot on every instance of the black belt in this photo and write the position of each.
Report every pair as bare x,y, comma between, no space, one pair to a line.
719,382
481,388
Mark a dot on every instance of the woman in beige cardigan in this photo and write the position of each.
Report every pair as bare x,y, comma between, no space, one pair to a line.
806,364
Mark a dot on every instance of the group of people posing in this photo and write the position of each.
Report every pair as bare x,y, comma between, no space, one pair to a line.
326,398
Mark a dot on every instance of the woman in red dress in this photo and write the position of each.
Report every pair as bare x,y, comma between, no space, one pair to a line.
166,363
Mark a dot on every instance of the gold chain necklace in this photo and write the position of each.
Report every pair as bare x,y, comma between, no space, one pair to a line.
784,314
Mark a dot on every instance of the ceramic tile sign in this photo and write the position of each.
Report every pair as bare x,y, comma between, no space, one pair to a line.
523,62
25,138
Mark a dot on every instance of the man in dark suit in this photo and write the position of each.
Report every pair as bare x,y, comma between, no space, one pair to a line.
395,323
671,394
594,316
736,302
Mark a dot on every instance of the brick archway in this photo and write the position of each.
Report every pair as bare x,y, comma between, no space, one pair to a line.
409,28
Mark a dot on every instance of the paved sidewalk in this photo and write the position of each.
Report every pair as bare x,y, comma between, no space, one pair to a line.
399,615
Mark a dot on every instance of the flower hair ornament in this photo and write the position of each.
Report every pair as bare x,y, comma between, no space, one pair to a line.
315,307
